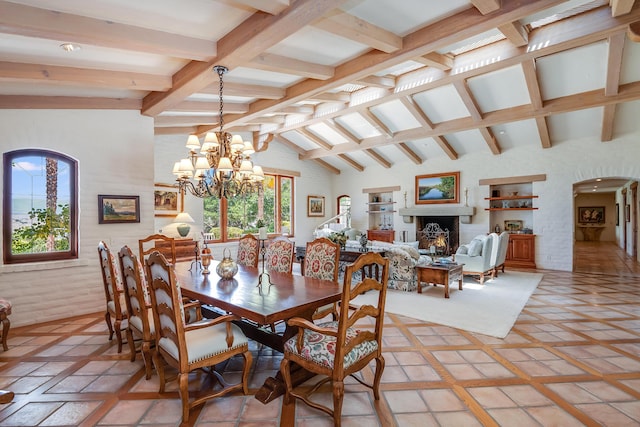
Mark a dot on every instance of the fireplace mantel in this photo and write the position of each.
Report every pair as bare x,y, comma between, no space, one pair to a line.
464,212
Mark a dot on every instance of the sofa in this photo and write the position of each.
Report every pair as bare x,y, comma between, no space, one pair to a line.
477,256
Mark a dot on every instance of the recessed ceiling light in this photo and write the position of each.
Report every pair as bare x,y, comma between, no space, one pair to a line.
70,47
502,132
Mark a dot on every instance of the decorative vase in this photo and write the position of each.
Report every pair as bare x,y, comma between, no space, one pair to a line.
227,268
183,229
206,260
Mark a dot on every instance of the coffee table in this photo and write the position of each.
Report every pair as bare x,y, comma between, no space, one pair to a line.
439,274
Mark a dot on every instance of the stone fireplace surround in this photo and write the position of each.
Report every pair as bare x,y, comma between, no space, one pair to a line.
447,217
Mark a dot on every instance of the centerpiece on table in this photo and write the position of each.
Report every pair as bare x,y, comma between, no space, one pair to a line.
339,238
262,229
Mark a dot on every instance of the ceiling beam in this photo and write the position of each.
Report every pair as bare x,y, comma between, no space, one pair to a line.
290,144
486,6
515,32
374,121
314,138
13,71
621,7
327,166
359,31
543,132
246,41
184,130
406,150
378,158
533,86
282,64
436,60
614,63
490,139
357,166
55,25
67,102
377,81
342,97
210,107
342,131
273,6
467,99
608,119
250,91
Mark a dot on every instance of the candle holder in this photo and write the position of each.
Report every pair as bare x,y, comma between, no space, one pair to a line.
206,262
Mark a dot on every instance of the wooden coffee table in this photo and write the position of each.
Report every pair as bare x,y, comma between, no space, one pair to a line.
439,274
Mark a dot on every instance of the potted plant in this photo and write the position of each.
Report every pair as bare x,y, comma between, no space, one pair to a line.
262,229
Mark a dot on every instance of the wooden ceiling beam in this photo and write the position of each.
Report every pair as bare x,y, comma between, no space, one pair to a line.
55,25
614,63
533,86
344,132
210,107
255,35
608,119
175,130
377,81
272,7
67,102
515,32
378,158
374,121
359,31
543,132
406,150
486,6
13,71
290,144
445,146
490,139
621,7
436,60
467,99
342,97
327,166
249,91
282,64
314,138
351,162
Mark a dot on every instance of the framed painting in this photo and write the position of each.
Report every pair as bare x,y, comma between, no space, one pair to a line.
315,205
511,225
167,200
438,188
118,209
591,214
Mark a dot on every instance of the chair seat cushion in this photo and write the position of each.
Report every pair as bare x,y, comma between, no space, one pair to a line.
205,342
5,306
321,349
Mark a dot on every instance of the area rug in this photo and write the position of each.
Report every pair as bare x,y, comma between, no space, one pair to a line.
488,309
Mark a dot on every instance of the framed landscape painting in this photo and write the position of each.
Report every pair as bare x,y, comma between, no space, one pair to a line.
167,200
438,188
118,209
315,205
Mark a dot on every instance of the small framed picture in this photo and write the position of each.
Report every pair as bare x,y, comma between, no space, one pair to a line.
167,200
511,225
315,205
118,209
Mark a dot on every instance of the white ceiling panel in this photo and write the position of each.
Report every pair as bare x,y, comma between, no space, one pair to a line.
569,72
441,104
627,116
630,69
328,134
500,89
300,140
357,125
395,116
470,141
575,124
517,134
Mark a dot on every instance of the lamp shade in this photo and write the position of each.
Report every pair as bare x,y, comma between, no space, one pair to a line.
184,217
193,142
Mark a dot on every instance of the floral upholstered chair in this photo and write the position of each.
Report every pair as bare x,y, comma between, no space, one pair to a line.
402,267
114,293
279,255
322,261
248,250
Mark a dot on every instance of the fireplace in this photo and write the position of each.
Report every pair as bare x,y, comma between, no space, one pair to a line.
441,232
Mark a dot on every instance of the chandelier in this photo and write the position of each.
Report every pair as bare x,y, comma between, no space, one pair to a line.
223,167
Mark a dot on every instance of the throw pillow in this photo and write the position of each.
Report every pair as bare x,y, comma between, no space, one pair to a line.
413,252
463,249
412,244
475,248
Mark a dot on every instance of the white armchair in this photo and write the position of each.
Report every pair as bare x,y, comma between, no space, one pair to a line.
476,256
501,252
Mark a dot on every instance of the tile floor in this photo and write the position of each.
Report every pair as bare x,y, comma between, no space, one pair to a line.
573,358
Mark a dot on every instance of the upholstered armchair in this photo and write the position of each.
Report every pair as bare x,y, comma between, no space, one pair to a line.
476,256
501,252
402,271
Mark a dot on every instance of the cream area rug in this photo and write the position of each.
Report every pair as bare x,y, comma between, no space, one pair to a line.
488,309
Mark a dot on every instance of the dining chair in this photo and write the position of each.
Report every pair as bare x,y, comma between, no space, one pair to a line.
199,345
322,261
248,251
141,323
167,248
279,255
114,293
338,349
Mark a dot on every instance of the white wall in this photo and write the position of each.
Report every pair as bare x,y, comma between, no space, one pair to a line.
114,150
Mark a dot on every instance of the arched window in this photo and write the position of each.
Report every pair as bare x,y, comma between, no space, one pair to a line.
39,221
344,206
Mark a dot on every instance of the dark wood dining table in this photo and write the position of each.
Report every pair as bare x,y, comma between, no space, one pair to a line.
288,296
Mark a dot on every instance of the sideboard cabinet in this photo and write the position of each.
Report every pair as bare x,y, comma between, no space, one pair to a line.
522,251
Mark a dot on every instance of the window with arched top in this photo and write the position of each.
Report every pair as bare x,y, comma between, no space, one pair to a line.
344,206
40,220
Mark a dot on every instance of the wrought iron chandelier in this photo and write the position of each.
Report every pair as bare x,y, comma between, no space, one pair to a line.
223,168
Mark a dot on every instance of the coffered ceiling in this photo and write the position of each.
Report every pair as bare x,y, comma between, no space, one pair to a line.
346,84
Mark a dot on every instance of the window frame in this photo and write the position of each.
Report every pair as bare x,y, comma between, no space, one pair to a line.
278,217
7,195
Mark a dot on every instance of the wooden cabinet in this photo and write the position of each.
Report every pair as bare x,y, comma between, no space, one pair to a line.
522,251
185,249
381,235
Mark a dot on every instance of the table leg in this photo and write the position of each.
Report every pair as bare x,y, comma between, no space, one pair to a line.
446,286
460,283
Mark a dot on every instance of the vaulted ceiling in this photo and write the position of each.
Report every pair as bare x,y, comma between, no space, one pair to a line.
344,83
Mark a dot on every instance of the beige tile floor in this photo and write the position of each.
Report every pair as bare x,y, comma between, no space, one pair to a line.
573,358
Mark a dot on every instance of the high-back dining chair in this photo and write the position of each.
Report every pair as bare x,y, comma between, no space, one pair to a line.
248,251
138,299
194,346
279,255
322,261
114,293
338,349
147,245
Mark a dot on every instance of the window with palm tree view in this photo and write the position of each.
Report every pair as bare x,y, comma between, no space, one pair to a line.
39,206
230,219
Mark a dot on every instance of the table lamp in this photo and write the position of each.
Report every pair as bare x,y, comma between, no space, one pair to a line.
182,219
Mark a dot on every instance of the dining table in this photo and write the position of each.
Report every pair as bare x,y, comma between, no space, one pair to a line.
280,297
